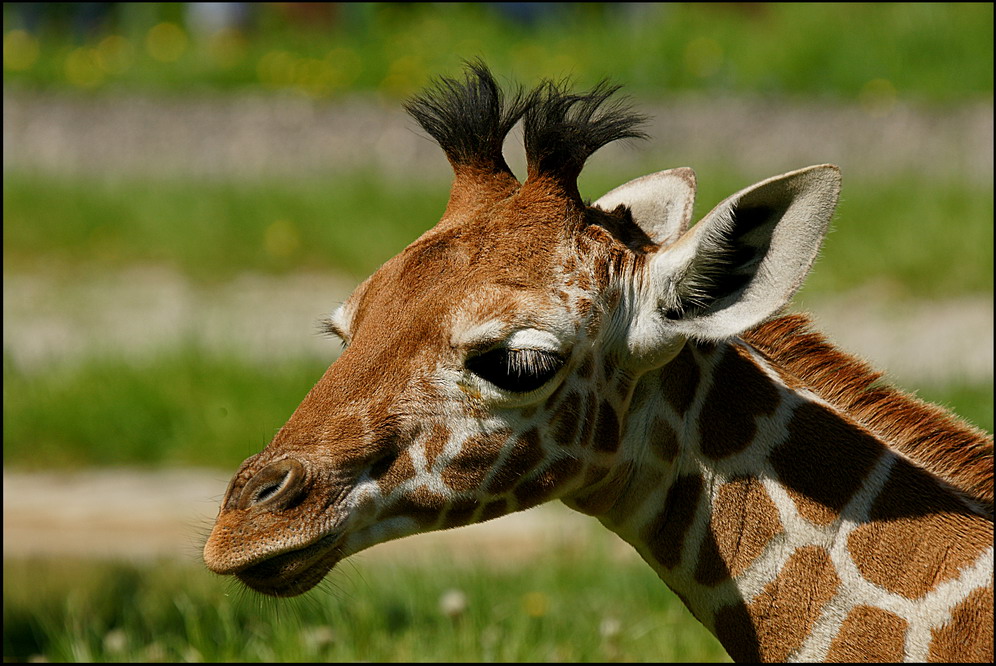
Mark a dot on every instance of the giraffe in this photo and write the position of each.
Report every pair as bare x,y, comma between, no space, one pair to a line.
532,347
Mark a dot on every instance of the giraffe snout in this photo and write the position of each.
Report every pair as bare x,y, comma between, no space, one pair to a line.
278,486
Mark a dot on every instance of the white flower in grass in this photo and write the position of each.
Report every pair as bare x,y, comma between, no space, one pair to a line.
453,603
318,638
610,628
115,641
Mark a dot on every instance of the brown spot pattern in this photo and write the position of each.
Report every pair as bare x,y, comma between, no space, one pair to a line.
495,509
813,511
524,456
459,513
823,462
782,616
400,471
602,487
601,271
918,535
567,419
607,430
680,380
471,465
595,473
869,634
666,534
641,487
740,392
586,367
543,485
933,438
744,520
622,388
663,440
434,445
968,637
588,424
421,505
735,630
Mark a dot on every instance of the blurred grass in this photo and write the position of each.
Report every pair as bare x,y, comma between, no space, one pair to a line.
918,237
183,407
188,408
214,230
575,604
941,52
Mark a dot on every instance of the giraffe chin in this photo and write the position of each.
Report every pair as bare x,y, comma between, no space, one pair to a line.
291,573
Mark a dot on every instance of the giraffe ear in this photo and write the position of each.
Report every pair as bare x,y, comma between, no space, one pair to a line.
661,203
741,263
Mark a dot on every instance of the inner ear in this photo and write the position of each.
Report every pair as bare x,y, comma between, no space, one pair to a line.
620,225
736,261
743,262
659,203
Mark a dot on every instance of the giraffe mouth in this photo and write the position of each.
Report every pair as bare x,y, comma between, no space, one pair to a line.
292,573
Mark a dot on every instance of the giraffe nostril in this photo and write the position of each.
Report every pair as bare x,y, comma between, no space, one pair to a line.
267,491
275,487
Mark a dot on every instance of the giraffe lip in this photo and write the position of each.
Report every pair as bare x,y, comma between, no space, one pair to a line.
291,573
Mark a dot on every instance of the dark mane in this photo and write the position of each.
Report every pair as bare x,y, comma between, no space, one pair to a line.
924,433
470,119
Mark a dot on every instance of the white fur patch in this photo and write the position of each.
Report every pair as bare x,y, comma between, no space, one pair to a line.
467,334
341,318
531,338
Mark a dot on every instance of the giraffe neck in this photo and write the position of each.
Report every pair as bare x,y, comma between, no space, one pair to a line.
790,530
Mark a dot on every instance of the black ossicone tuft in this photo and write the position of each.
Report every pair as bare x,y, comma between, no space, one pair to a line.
470,119
563,129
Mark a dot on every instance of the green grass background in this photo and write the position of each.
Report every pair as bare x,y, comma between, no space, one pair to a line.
569,604
939,233
185,406
926,51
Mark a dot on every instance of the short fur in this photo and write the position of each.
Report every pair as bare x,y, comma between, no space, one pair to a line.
923,433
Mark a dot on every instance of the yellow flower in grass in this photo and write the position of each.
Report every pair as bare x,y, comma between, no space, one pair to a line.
82,68
20,50
536,604
281,239
114,54
166,42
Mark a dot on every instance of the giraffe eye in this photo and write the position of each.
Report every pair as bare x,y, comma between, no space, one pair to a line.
516,370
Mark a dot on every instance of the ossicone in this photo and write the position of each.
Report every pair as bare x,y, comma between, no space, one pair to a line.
470,119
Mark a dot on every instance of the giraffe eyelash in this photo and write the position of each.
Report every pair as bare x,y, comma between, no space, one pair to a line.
329,328
516,370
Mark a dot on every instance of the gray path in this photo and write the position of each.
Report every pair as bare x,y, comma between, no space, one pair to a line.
51,319
139,514
254,135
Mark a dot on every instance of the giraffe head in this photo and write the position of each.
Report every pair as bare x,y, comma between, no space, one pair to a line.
489,366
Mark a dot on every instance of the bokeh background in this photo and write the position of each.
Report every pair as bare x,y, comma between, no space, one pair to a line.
189,187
